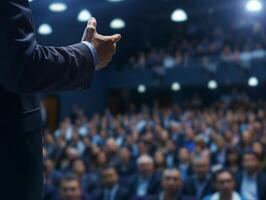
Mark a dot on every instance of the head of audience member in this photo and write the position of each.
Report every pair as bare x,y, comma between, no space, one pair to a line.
251,163
170,146
72,154
70,188
145,166
109,177
124,155
171,182
232,158
247,139
201,167
184,156
258,149
102,159
79,167
224,183
159,160
111,146
48,167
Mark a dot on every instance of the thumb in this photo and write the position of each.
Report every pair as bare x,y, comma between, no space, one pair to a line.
90,31
114,38
92,22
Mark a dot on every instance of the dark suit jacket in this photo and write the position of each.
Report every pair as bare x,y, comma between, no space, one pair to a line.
190,187
261,183
121,194
27,67
178,196
153,184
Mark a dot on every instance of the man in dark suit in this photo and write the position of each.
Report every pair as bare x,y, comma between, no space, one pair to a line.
111,189
27,68
172,186
70,189
146,182
251,181
200,183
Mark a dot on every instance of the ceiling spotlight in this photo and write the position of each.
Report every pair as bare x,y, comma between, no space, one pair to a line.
84,15
254,5
212,84
57,7
45,29
117,24
179,15
176,86
253,81
141,88
31,0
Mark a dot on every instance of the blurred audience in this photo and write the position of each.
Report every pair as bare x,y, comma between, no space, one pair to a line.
191,152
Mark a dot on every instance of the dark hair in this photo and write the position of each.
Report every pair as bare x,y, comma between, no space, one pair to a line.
232,151
250,152
219,172
69,177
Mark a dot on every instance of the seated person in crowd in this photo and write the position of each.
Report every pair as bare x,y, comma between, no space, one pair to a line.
251,181
199,184
110,189
184,163
171,186
146,182
70,189
225,185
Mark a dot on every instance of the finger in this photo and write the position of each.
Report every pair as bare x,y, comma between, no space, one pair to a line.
90,31
117,38
114,38
92,22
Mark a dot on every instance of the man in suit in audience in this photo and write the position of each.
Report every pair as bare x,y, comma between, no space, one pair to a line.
111,189
225,186
70,189
251,181
27,68
146,182
200,183
172,186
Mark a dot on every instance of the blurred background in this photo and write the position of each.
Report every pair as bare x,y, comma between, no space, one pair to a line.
180,113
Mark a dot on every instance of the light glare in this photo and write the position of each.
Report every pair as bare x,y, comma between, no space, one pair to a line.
45,29
57,7
212,84
117,23
141,89
176,86
254,6
253,81
179,15
84,15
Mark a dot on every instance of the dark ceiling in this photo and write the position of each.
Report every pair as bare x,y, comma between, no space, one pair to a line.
144,19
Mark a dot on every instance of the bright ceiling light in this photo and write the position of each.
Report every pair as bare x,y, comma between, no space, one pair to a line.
117,24
31,0
176,86
254,5
179,15
212,84
141,88
253,81
84,15
45,29
57,7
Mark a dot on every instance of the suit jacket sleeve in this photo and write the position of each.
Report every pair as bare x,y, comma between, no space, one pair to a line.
35,68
